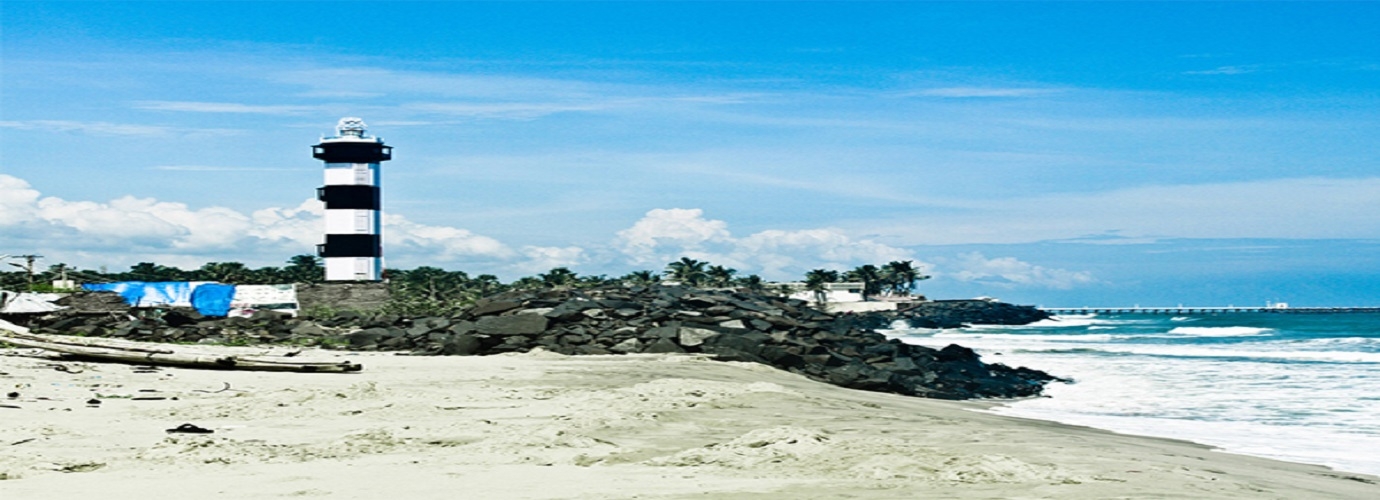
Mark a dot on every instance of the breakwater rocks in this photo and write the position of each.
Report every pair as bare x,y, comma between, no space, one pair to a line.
960,313
783,333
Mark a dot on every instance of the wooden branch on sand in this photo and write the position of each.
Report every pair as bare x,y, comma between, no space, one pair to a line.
123,351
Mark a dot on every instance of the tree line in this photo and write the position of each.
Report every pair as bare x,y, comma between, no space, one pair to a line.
432,290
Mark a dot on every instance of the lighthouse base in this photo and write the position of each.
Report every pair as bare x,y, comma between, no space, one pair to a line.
354,268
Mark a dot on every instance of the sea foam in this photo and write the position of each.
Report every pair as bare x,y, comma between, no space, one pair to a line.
1220,331
1286,386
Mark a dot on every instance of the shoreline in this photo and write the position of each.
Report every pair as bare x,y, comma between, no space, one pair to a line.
625,426
1070,419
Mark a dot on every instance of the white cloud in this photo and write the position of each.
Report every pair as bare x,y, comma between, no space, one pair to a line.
129,229
17,200
1009,272
435,244
786,254
542,259
665,235
685,230
300,225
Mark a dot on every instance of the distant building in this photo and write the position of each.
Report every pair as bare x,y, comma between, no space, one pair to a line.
833,292
843,297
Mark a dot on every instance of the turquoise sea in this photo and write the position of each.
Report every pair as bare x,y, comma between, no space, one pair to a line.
1297,387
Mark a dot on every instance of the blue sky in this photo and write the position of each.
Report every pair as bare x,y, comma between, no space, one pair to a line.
1062,154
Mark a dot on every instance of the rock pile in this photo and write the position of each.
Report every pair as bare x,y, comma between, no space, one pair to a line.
960,313
780,332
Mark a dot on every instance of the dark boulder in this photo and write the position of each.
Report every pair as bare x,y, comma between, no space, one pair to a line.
461,345
517,324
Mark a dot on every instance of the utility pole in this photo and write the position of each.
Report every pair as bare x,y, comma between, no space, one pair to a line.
28,266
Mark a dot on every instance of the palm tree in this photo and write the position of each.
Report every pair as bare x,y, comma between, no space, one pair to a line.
225,272
871,278
720,276
433,284
641,278
485,284
593,281
902,275
817,280
527,283
688,271
559,278
265,276
148,271
753,283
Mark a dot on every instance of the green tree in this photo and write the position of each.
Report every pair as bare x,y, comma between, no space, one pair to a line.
560,278
223,272
485,285
304,268
720,276
752,283
901,275
688,271
871,278
148,271
641,278
428,290
527,283
267,275
593,281
817,280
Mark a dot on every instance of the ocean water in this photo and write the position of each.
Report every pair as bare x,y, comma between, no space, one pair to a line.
1296,387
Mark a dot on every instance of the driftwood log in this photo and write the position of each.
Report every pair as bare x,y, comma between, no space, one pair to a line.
124,351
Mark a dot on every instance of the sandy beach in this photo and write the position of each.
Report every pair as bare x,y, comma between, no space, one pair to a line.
541,425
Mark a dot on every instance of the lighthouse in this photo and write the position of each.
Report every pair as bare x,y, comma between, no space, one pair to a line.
353,250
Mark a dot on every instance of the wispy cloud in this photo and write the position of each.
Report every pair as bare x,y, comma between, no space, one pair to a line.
381,81
512,110
108,128
844,185
1009,273
1302,208
1226,70
980,92
102,128
225,107
212,168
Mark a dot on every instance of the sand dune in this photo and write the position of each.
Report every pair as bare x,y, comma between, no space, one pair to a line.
540,425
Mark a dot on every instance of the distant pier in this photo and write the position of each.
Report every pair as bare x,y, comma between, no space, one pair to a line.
1181,310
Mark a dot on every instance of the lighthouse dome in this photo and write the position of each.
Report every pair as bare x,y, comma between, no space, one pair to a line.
350,127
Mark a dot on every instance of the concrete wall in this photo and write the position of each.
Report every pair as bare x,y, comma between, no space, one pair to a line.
857,307
354,296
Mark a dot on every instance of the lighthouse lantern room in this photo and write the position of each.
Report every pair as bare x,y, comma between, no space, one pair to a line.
353,250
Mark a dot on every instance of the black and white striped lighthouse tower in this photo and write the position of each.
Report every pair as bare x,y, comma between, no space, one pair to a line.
353,250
